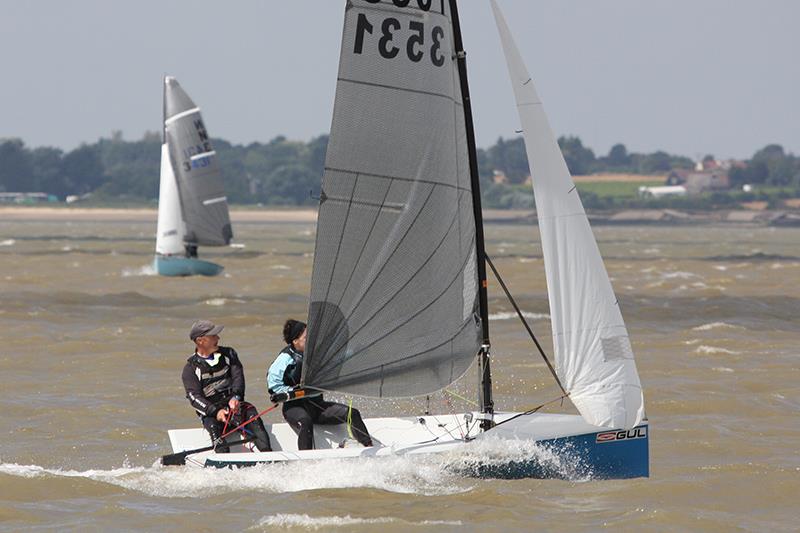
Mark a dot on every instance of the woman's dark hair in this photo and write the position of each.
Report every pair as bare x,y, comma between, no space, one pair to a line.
292,329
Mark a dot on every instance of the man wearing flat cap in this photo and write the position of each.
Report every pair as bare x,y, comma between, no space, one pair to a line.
214,381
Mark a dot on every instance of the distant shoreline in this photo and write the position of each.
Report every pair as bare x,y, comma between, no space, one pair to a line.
665,217
138,214
116,214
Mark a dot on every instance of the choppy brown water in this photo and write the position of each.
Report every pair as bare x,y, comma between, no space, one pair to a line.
93,344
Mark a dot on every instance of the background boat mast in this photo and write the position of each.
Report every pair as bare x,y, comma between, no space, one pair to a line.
164,109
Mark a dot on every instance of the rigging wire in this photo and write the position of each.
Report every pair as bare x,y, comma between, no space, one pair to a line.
464,431
531,411
456,395
453,414
525,323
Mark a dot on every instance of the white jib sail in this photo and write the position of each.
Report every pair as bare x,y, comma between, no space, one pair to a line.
593,354
169,231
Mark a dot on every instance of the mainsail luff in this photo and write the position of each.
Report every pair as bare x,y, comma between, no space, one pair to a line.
204,206
593,354
394,298
485,397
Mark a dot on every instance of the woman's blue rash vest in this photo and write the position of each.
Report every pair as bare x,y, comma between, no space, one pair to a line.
284,373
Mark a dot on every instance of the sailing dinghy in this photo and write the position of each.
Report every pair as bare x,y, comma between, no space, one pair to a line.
192,206
398,293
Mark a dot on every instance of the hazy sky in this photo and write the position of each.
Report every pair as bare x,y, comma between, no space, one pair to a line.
687,76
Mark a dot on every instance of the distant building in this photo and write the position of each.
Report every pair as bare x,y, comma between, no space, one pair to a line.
659,192
677,177
26,198
499,177
710,165
700,181
72,198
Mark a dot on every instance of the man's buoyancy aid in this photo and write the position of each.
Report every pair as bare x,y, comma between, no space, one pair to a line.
211,382
214,375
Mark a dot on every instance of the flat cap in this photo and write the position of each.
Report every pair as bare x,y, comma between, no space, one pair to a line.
201,328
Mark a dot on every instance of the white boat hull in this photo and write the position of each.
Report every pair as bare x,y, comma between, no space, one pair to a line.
589,451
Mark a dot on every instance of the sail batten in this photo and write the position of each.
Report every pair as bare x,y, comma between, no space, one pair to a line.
405,89
395,232
401,178
594,360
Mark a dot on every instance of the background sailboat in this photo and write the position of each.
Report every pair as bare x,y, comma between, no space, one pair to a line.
398,293
192,206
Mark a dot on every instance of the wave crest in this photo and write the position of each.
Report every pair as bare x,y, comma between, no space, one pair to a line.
506,315
715,325
714,350
436,474
327,522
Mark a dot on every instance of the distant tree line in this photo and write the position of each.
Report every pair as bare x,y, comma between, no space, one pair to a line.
509,157
280,172
769,166
284,172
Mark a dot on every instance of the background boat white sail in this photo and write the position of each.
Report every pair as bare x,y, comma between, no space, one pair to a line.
169,230
193,208
593,354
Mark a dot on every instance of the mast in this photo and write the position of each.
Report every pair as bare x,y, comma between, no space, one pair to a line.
164,109
484,363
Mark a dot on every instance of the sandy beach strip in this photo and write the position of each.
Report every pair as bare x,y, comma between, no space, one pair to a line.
105,214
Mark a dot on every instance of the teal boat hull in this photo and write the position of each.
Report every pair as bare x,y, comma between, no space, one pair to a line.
185,266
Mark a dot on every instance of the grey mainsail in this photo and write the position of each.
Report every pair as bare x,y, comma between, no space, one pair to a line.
204,205
394,294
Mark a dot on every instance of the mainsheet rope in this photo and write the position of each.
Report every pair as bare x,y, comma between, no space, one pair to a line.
265,411
467,400
350,418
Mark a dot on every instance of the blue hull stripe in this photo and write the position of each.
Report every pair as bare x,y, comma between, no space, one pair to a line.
603,455
185,266
579,457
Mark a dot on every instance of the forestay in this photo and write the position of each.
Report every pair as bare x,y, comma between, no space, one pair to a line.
594,359
394,294
194,162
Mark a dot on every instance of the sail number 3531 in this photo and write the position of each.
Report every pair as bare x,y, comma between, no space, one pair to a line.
389,45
